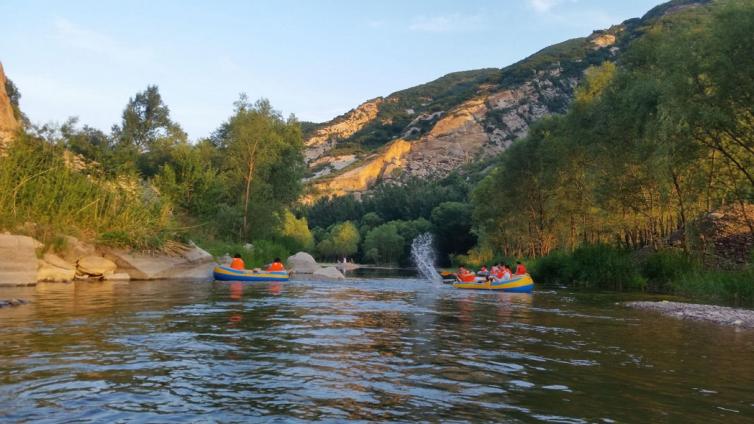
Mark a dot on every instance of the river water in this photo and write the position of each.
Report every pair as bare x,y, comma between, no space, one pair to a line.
370,350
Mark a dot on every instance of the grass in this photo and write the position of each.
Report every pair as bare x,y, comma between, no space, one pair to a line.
666,271
729,287
41,196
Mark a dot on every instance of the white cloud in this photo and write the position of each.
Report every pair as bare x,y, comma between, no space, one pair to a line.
447,23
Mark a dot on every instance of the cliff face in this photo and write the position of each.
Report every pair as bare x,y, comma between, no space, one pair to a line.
462,117
340,128
8,122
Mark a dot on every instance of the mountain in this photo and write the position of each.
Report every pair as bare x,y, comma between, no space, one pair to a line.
463,117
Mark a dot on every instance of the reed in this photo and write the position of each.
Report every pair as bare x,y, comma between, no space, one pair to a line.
42,196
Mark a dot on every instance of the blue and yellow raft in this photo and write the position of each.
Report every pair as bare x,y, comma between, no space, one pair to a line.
517,284
224,273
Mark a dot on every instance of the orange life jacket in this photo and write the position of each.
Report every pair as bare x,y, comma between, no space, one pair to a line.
238,264
276,267
468,277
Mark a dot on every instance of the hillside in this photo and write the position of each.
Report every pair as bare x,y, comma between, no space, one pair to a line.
434,128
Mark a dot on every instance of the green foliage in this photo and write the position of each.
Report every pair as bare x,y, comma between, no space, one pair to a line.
37,186
296,233
384,244
451,222
593,267
341,241
732,287
646,147
663,268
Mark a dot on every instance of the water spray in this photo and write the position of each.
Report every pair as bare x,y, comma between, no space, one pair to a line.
423,256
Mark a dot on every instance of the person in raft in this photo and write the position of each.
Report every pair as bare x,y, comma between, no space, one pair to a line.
465,276
520,268
276,266
237,262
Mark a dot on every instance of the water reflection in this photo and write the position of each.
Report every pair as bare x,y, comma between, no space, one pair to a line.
397,349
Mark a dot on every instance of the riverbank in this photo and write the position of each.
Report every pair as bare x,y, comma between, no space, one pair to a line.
723,315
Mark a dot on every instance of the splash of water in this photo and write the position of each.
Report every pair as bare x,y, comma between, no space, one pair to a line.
423,255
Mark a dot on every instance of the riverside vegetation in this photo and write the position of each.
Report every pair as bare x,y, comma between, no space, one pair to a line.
650,143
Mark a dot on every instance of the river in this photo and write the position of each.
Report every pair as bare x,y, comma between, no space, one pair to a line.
371,350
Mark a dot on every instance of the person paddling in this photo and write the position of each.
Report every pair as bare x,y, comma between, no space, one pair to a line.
520,268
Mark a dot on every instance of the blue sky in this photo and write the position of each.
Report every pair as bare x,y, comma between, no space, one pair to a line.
316,59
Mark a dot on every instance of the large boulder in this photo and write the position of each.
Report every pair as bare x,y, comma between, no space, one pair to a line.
191,263
329,273
95,266
75,249
302,263
18,259
52,273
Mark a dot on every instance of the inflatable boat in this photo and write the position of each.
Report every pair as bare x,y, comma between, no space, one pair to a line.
517,284
224,273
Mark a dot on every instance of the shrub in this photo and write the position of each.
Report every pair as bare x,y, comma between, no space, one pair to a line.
605,267
733,287
553,269
664,267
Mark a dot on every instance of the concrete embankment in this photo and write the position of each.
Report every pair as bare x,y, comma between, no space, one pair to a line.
742,318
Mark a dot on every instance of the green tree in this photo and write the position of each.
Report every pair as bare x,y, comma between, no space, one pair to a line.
263,152
297,231
384,245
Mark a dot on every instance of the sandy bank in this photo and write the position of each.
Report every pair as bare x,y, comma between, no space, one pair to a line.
743,318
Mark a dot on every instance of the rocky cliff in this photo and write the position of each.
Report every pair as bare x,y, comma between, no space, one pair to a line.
433,129
8,122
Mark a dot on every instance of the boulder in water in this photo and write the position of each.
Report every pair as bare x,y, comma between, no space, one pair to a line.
193,263
18,259
329,273
53,273
302,263
95,266
75,249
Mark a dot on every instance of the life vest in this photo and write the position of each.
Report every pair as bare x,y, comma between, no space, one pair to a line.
238,264
520,269
276,267
468,277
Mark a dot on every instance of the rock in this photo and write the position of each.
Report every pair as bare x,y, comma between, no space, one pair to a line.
95,266
57,261
8,122
74,249
722,315
329,273
50,272
118,276
18,259
194,263
302,263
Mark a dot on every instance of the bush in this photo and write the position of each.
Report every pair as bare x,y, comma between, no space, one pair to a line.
732,287
38,186
605,267
554,269
664,267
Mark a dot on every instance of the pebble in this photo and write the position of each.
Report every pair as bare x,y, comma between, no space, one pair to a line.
743,318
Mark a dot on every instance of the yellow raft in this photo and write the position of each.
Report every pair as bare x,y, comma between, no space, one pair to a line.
517,284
